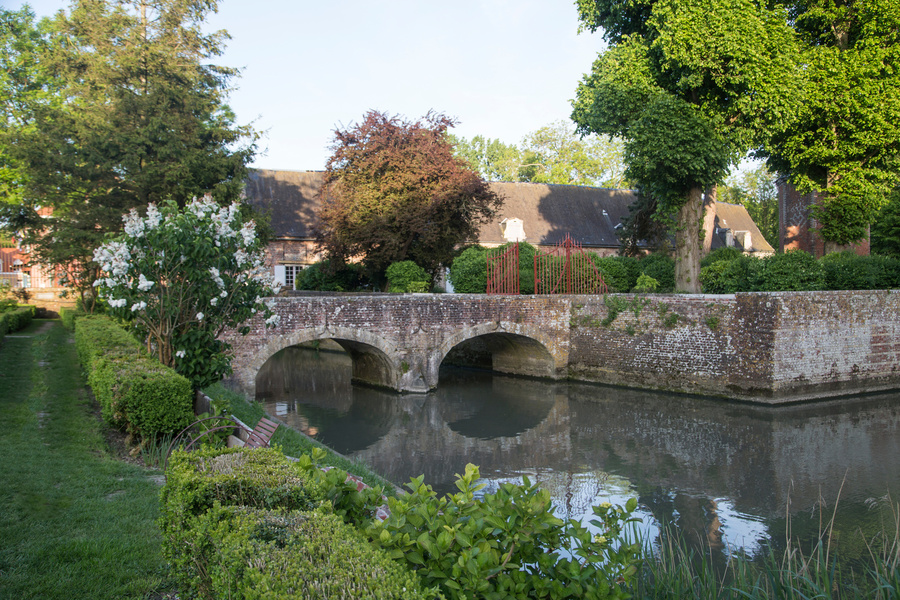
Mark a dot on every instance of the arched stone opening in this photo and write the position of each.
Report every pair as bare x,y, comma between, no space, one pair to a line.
496,348
372,360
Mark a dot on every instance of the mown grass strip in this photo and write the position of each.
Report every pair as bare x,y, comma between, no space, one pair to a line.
75,522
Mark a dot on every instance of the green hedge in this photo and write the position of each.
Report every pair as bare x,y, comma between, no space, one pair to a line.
135,392
200,482
250,553
16,319
68,315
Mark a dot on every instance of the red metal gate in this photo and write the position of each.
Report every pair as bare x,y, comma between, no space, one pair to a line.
567,269
503,270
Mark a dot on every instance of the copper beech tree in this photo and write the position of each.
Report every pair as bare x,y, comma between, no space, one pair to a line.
394,191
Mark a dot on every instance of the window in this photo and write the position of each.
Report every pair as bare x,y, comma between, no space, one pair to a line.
291,272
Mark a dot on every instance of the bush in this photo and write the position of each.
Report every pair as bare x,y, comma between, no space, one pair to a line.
15,319
68,316
661,268
324,276
98,336
142,396
646,284
792,271
249,553
134,391
468,272
726,253
729,276
507,544
847,271
616,273
403,275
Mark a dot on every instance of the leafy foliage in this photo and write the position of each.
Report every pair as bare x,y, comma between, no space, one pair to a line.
181,277
691,87
843,138
393,191
329,276
755,190
507,543
554,153
885,237
468,273
404,275
127,111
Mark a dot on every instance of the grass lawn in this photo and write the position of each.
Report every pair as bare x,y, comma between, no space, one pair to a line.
75,522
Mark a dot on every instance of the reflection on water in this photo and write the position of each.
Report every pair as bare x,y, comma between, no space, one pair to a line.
725,474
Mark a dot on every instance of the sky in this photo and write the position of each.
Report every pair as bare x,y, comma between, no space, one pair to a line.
502,69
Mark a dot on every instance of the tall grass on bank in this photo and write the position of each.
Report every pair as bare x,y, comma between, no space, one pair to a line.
74,521
674,570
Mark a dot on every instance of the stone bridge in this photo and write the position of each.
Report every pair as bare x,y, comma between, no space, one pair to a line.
763,347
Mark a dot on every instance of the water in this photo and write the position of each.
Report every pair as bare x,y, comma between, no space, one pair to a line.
728,476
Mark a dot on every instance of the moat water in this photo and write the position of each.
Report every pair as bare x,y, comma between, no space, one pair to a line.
727,476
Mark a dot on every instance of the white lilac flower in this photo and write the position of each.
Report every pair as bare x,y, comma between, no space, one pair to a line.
273,320
199,316
134,225
241,257
214,301
117,303
248,233
138,306
144,284
224,294
153,217
180,354
216,277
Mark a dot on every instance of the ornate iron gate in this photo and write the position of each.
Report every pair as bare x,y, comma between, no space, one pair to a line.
503,270
567,269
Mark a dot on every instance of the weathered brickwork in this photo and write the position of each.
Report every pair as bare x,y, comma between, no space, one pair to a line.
764,347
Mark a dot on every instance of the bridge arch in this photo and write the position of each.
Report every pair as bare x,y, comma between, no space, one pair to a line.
374,360
515,348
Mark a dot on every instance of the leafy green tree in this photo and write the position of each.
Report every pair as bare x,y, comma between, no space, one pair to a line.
491,158
886,228
755,190
394,191
690,87
555,153
181,277
843,139
139,117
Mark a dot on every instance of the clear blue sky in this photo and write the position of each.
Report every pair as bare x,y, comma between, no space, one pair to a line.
502,68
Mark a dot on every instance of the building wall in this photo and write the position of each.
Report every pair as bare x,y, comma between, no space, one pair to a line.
797,228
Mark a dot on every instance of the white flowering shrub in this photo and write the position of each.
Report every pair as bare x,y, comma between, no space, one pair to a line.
182,277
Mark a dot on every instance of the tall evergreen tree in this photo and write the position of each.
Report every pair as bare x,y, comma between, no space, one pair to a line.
141,118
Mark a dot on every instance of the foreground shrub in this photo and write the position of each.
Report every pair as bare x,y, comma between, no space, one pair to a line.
796,270
661,268
68,315
468,273
141,396
507,544
406,276
325,276
730,275
135,392
250,553
15,319
616,272
848,271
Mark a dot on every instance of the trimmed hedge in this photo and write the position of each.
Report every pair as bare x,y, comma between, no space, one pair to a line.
251,553
201,483
135,392
68,315
16,319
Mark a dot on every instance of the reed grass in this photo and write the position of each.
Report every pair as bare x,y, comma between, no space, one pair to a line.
672,569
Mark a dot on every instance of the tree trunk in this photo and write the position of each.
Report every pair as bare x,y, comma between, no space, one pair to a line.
709,218
687,243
